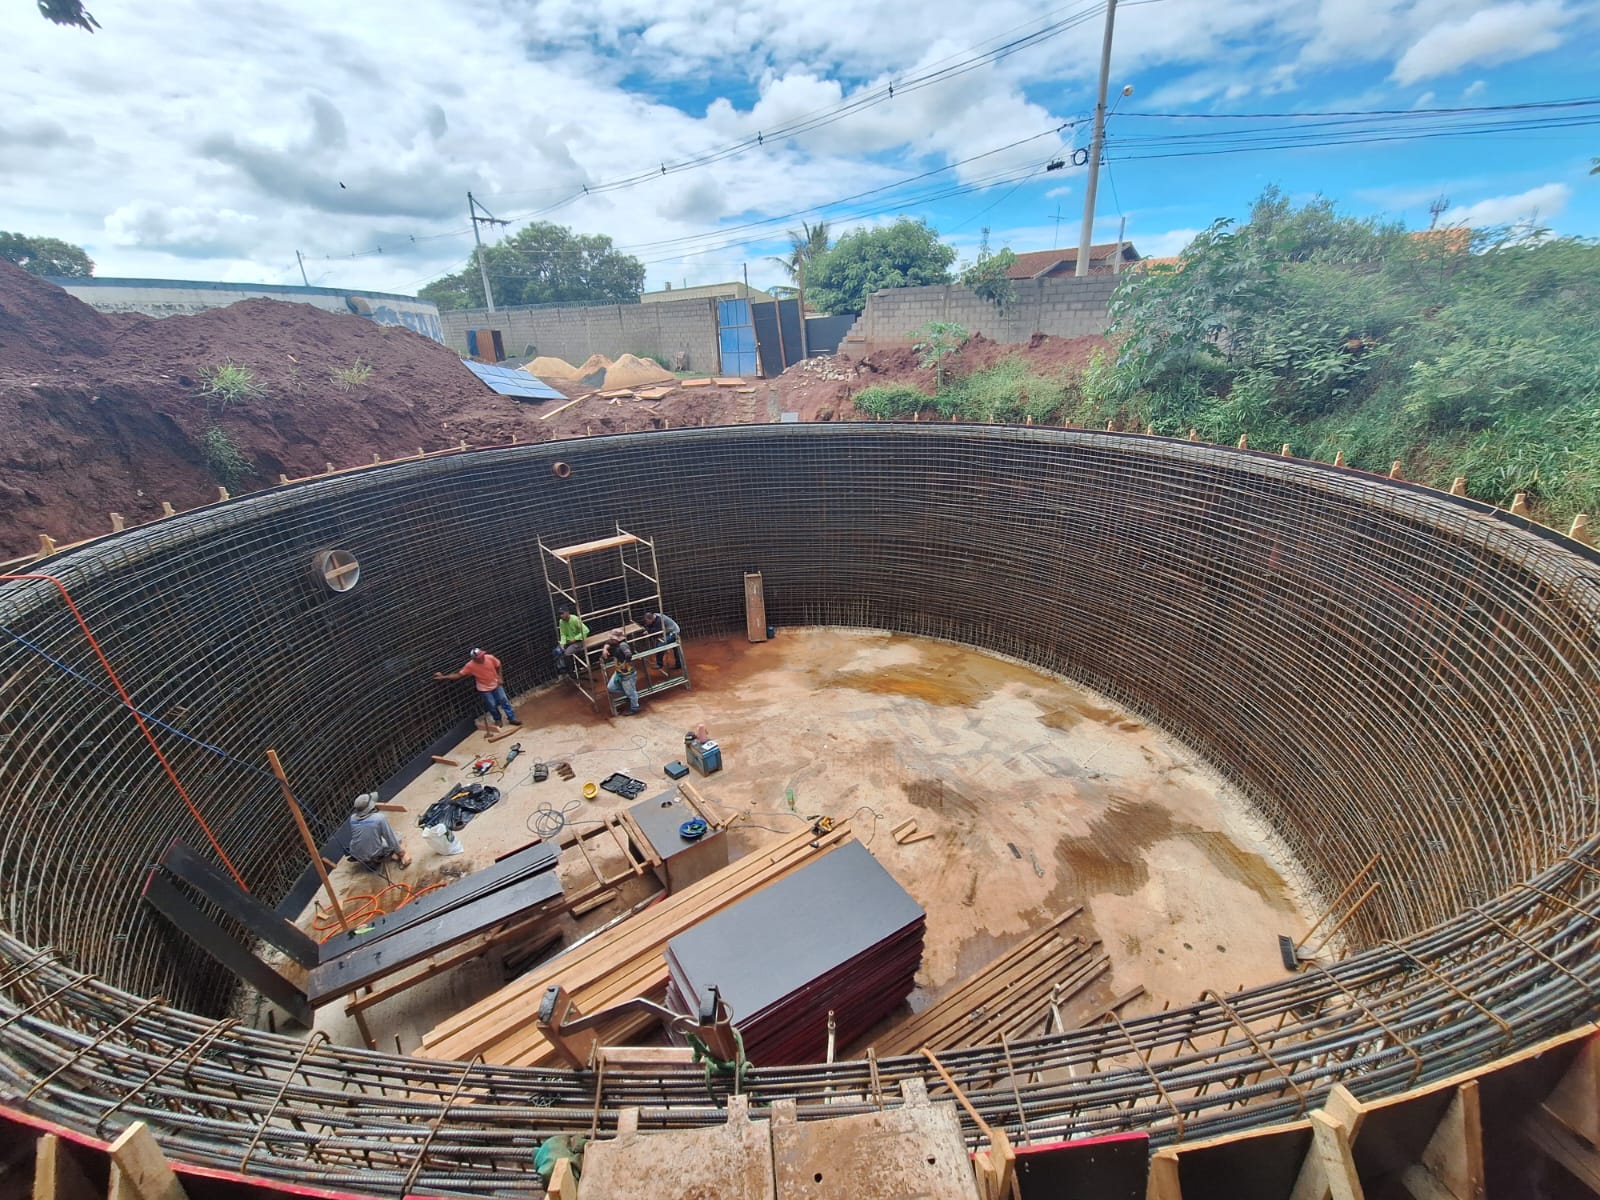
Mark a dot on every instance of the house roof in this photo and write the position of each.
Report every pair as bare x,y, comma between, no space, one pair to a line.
1041,262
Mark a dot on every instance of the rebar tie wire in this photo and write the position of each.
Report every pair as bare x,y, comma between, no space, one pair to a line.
316,1039
1532,949
1250,1036
192,1050
105,1034
166,766
1505,1026
435,1126
1394,1038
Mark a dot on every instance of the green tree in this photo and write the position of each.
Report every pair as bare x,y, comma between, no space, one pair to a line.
45,255
990,276
905,254
544,264
805,247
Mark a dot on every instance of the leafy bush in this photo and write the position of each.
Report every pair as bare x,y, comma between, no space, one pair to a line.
887,401
989,277
1008,392
937,341
357,373
223,456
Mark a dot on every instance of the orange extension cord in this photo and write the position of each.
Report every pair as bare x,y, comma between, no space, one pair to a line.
326,923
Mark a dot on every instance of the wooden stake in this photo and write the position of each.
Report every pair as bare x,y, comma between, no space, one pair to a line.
282,478
47,545
1150,431
1338,459
1244,441
305,836
1284,453
1580,530
1394,470
1194,435
222,493
329,467
139,1170
1458,486
116,522
1519,504
375,459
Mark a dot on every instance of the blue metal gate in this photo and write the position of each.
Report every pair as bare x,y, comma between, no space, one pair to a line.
736,337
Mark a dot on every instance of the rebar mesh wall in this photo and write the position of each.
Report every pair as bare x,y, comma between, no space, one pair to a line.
1381,668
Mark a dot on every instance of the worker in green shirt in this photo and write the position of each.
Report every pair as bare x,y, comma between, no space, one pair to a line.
571,631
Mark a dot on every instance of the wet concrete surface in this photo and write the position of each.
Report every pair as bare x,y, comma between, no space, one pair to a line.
1040,795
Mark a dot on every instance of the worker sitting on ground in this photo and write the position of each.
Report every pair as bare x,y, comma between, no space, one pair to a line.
624,677
663,630
571,632
373,841
484,670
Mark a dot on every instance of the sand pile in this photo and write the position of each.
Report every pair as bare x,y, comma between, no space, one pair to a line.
632,371
593,370
546,367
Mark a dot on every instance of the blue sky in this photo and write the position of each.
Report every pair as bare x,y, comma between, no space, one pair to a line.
205,141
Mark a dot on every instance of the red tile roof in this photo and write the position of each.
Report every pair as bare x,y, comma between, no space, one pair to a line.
1041,262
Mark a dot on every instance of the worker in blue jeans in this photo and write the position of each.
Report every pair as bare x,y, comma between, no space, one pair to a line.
624,675
663,630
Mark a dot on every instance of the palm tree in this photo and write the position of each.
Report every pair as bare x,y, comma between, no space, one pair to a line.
805,247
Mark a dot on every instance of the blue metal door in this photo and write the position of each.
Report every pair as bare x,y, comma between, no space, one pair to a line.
736,337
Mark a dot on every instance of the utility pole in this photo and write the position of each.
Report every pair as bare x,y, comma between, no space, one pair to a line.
483,265
302,263
1096,145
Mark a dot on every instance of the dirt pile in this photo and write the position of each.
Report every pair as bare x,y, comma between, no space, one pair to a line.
103,414
551,370
632,371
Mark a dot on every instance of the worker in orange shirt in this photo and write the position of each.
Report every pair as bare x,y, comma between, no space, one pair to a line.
484,671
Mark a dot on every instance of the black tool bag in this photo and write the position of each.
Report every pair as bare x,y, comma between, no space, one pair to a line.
459,805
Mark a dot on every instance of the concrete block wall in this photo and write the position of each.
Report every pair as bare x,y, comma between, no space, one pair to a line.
668,328
1063,307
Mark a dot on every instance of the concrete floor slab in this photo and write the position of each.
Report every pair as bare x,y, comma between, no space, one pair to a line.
1039,795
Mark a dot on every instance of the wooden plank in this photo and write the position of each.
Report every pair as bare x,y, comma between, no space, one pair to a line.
139,1170
1451,1167
616,966
694,383
1553,1139
1575,1102
579,549
755,607
56,1173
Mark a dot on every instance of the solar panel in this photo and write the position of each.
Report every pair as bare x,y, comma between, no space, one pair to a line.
508,381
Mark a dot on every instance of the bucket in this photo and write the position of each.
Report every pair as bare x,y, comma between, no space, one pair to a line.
442,840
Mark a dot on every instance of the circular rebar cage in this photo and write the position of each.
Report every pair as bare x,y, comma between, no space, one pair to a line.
1380,668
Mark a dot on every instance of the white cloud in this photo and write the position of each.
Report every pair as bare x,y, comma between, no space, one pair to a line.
1164,244
1502,33
1057,192
1543,203
1424,101
1474,89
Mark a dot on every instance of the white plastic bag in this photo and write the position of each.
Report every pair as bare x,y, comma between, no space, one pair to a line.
441,839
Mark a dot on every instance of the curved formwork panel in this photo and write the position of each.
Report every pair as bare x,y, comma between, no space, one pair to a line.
1381,668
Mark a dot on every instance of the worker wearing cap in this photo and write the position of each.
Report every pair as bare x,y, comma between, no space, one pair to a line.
571,632
663,629
624,675
484,671
373,841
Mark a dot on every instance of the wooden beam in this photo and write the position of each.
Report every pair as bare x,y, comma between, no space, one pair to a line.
305,836
139,1170
56,1173
1329,1169
1566,1127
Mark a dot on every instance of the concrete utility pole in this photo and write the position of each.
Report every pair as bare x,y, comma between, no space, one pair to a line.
1095,145
483,266
302,263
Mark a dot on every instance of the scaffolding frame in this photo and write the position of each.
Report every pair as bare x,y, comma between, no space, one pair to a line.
613,600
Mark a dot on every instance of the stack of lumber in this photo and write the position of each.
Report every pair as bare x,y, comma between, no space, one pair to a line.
1012,995
618,965
839,935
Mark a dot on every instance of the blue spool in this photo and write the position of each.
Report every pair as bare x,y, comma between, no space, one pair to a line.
693,830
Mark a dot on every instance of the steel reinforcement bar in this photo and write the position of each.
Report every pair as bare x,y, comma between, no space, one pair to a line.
1377,666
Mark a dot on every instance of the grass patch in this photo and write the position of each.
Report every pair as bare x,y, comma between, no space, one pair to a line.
888,401
229,384
353,376
223,456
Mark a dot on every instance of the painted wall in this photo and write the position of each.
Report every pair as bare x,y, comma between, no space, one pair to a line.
686,327
1064,307
178,297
